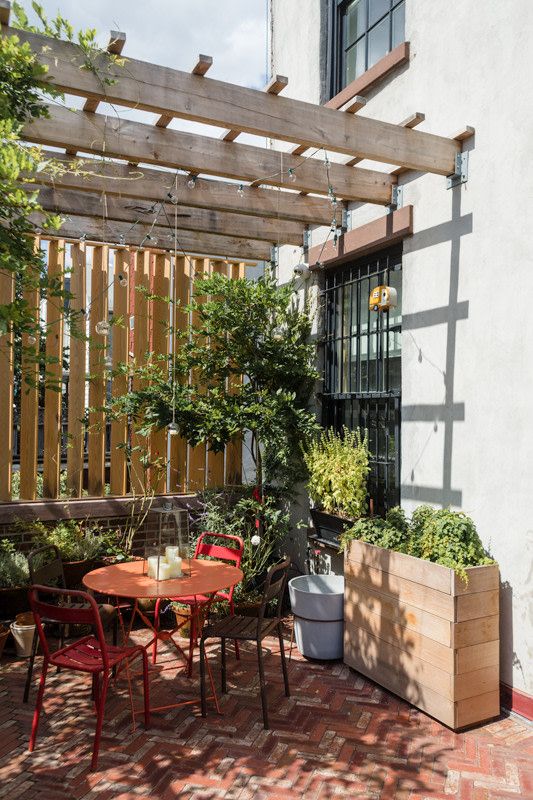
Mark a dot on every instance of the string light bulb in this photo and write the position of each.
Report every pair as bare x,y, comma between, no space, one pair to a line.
292,175
334,201
83,237
108,364
102,328
240,190
191,183
31,340
173,428
123,281
122,239
172,198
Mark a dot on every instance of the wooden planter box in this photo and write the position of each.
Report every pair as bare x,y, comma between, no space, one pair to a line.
417,629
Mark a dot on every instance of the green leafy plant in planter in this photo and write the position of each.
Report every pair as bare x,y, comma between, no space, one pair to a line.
445,537
14,579
338,470
236,511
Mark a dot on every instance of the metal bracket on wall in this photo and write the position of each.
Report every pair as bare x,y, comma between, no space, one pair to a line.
396,198
461,171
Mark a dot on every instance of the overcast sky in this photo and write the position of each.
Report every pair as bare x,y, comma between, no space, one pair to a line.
174,32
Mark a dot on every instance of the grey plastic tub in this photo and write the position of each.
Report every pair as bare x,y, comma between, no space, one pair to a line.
318,606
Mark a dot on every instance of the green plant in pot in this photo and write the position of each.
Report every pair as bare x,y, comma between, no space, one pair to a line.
14,580
338,469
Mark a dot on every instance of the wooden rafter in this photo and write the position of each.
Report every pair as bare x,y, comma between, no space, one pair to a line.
69,202
200,68
110,232
145,184
162,90
274,86
135,141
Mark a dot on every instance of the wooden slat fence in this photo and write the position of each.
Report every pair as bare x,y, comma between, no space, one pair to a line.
59,440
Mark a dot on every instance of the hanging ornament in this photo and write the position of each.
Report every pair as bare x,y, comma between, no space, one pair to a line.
191,183
292,175
173,428
102,327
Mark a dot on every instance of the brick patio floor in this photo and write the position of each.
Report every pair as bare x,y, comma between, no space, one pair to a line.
338,736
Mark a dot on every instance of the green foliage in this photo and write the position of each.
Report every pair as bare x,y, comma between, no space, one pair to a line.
235,511
76,540
13,567
338,469
252,329
445,537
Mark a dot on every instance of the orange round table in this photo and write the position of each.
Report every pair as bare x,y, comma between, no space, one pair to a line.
129,581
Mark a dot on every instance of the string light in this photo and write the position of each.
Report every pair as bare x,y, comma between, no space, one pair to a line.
31,339
123,281
102,327
292,175
108,364
83,237
333,230
333,201
172,198
173,428
191,183
122,239
240,190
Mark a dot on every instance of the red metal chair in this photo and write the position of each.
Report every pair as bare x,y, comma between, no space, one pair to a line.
89,654
222,552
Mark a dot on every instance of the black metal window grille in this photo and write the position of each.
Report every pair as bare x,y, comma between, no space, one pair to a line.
362,366
362,32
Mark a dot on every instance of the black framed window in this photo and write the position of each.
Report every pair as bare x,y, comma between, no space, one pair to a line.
362,32
362,365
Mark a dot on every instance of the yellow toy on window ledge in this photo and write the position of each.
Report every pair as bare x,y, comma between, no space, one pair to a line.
382,298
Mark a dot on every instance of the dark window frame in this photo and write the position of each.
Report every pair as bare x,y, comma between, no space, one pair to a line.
336,46
356,403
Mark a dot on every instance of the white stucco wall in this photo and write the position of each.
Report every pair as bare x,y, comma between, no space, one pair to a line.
467,425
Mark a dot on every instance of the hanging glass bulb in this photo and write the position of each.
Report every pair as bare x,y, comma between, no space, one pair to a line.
122,239
240,190
292,175
173,199
31,340
102,327
173,428
83,237
333,201
123,281
191,183
108,364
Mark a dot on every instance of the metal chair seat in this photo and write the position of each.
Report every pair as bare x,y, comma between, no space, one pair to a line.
85,655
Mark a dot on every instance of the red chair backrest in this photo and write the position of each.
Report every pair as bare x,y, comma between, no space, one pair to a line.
65,614
220,551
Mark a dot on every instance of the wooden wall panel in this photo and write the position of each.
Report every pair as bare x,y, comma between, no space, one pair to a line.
77,375
197,456
141,338
54,370
120,348
160,345
97,372
178,445
7,363
29,404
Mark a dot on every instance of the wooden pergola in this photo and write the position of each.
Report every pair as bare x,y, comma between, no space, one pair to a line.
161,207
216,216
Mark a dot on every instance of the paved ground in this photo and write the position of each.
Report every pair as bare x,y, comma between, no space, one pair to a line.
338,736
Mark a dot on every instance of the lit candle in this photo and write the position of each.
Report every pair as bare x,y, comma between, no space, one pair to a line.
174,567
153,563
171,552
164,570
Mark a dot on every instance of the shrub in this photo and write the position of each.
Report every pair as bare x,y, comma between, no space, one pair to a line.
445,537
75,540
13,567
338,470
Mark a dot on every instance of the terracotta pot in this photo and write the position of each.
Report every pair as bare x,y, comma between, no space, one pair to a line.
13,601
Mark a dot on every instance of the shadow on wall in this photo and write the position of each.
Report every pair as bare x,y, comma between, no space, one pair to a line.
449,411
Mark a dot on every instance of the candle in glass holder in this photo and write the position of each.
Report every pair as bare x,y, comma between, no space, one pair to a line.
164,570
153,565
171,551
175,567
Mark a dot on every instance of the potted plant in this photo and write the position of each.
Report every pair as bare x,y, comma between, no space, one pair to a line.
422,612
338,469
14,580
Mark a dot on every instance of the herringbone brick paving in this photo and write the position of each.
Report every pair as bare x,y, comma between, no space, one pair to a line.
337,736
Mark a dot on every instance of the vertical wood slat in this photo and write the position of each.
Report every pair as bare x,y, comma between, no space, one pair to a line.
160,347
233,474
120,350
198,455
141,338
54,370
29,401
77,374
215,461
7,363
178,445
97,379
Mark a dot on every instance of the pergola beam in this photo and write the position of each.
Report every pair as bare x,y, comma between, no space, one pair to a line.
69,202
202,65
146,184
162,90
110,232
135,141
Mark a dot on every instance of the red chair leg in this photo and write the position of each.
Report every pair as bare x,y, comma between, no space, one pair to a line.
235,642
99,719
192,639
38,706
156,626
146,689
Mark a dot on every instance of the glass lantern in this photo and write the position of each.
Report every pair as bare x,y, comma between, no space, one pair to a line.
167,554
